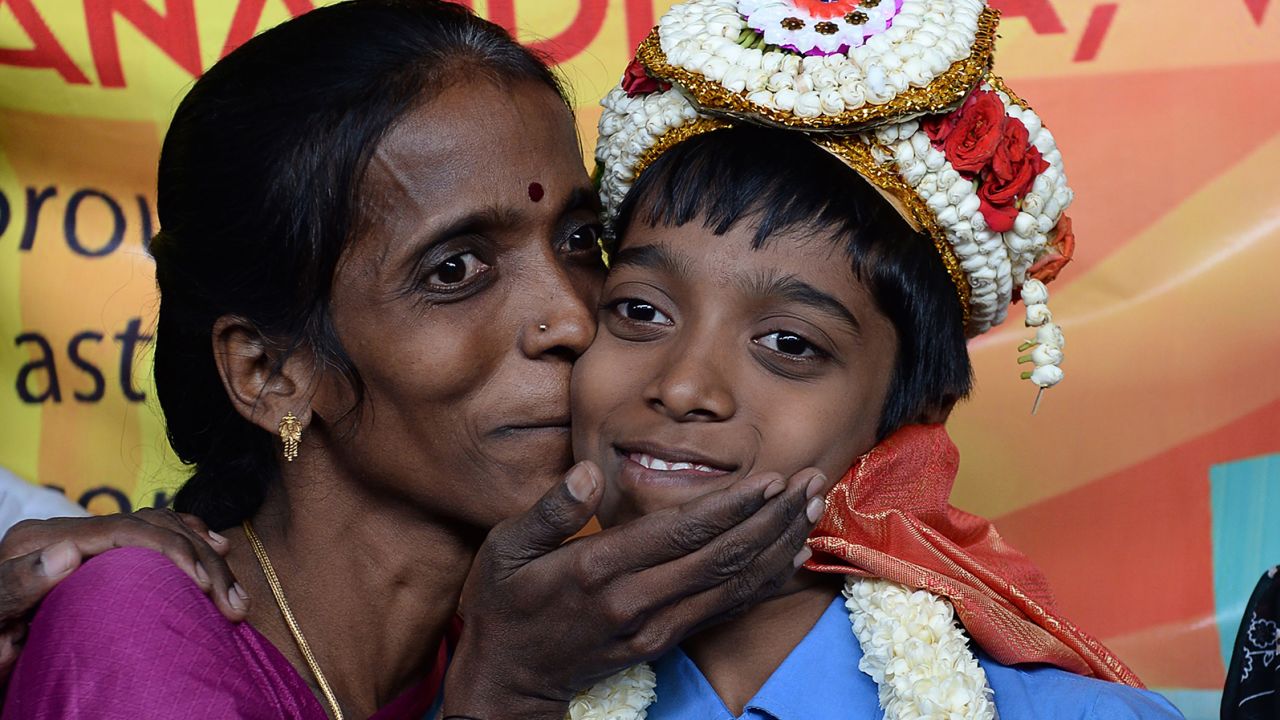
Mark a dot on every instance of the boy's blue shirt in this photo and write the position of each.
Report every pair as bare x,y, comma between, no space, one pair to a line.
820,680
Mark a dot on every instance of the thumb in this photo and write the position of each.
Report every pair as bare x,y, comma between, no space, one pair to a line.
563,511
26,579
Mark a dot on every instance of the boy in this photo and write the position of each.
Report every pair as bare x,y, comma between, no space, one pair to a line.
783,298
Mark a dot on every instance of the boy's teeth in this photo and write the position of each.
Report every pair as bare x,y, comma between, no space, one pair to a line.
653,463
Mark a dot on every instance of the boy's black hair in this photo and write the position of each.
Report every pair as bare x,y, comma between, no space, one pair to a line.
780,181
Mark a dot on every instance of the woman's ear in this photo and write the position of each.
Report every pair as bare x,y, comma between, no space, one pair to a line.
261,387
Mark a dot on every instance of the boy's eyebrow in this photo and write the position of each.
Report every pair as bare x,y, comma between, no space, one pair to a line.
798,291
649,257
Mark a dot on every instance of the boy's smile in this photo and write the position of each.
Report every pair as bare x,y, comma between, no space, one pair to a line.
714,361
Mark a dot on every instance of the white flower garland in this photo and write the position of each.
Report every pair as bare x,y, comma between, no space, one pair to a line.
623,696
917,654
914,45
911,646
1046,349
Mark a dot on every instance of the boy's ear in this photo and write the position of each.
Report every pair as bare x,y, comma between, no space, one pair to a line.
260,387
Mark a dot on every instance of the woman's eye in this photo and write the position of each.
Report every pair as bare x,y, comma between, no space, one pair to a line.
584,238
640,311
788,344
457,270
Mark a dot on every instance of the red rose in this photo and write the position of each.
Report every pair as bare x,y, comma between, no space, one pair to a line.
638,81
999,217
939,127
1014,167
1046,269
973,141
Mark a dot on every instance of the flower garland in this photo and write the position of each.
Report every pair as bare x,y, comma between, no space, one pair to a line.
916,653
794,56
626,695
911,646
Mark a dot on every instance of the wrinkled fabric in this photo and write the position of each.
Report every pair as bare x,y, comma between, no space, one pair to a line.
130,636
890,517
1253,680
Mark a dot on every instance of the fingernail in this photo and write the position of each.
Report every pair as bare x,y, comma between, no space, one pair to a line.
815,485
217,539
814,509
803,556
581,483
57,560
238,598
774,489
201,574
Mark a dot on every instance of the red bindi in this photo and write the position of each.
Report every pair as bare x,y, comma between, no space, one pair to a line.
535,191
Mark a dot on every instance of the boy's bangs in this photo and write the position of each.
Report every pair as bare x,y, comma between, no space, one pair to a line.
786,186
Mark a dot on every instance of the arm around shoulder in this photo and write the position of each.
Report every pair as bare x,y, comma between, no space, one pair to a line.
128,635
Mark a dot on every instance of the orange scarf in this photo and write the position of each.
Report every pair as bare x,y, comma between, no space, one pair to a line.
890,517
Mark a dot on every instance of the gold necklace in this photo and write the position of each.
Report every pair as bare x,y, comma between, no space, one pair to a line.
276,589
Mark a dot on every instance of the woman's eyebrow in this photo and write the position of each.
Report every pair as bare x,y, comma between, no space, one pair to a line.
793,289
582,198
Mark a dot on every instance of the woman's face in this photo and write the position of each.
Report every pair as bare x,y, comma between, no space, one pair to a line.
481,231
715,361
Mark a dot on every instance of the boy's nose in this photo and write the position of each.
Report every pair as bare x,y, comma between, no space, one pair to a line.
694,388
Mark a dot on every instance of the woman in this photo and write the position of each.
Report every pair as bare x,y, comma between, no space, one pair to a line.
343,264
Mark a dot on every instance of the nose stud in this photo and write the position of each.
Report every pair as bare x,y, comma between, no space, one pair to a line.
542,327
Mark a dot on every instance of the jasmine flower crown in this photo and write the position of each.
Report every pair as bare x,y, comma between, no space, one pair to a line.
901,91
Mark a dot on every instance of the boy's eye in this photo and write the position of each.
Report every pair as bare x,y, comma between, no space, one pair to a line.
584,238
640,311
788,344
456,270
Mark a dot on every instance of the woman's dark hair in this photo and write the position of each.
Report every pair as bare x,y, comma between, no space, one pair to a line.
723,179
259,192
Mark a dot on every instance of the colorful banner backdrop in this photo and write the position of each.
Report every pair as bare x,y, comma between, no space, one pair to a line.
1148,486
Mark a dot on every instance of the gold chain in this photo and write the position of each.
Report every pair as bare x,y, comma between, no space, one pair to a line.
276,589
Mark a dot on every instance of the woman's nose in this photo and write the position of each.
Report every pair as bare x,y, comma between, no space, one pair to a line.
564,324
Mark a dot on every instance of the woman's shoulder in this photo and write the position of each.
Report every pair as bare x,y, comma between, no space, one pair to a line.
124,587
134,601
1054,694
129,633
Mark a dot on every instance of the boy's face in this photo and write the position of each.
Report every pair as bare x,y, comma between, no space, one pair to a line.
714,361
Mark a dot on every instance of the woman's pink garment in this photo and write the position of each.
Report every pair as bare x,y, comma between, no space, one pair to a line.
129,636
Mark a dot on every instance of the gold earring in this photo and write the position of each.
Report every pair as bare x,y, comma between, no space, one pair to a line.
290,434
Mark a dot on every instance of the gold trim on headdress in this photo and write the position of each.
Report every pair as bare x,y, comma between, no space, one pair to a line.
941,94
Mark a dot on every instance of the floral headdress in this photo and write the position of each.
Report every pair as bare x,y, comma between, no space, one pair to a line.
902,91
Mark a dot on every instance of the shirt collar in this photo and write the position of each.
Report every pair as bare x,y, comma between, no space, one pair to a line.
819,679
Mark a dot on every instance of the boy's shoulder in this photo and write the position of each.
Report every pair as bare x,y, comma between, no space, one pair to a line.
1054,694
